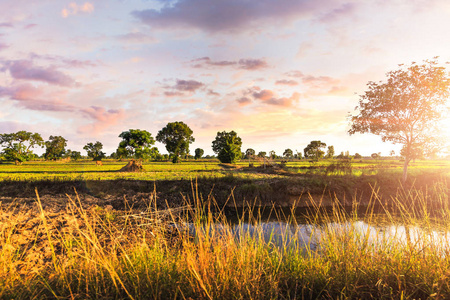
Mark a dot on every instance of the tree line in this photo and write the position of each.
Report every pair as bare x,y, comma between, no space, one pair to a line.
138,144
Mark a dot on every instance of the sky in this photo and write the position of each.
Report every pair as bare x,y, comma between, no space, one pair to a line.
280,73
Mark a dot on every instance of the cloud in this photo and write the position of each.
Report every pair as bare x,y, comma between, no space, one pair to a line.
137,38
266,96
246,64
187,85
173,94
286,82
338,13
40,99
252,64
6,24
244,101
3,46
24,69
230,15
66,62
75,9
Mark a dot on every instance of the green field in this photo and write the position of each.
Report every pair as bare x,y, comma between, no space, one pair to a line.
87,170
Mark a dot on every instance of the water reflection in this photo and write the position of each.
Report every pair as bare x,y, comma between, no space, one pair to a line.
285,235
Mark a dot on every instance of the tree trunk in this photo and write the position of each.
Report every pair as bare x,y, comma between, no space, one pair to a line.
405,169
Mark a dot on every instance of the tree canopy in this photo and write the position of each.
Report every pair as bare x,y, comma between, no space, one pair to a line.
288,153
136,143
227,146
55,147
406,108
17,146
314,150
176,136
198,153
249,153
94,150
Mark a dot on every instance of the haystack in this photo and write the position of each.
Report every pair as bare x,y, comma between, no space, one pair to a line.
132,166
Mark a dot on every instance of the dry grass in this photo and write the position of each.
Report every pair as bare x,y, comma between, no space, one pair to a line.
98,253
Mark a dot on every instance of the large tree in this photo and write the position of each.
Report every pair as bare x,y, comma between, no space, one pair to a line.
136,143
176,136
406,108
227,146
55,147
94,150
314,150
17,146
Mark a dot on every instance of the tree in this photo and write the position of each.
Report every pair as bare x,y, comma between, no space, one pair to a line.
136,143
249,153
198,153
75,155
314,150
176,136
262,153
288,153
358,156
227,146
272,154
405,109
94,151
17,146
330,152
55,147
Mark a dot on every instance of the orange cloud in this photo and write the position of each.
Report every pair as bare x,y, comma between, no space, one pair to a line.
75,9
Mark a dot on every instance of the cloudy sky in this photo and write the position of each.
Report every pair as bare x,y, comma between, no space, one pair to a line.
279,72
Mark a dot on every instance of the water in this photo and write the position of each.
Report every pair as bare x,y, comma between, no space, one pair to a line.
306,235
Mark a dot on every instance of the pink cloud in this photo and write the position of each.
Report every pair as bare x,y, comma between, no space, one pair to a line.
24,69
245,64
231,15
286,82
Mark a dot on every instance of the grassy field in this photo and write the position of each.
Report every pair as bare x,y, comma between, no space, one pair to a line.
87,170
99,253
90,245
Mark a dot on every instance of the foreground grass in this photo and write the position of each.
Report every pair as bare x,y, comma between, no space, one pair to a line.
99,253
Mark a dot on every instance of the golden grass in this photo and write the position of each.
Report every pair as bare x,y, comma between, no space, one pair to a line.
84,253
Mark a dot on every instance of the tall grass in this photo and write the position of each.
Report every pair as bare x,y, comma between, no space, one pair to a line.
196,252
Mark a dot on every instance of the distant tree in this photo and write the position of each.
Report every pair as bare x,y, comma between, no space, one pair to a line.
75,155
55,147
198,153
375,155
272,154
176,136
135,143
358,156
392,153
17,146
314,150
94,151
330,152
406,108
298,154
288,153
227,146
249,153
262,153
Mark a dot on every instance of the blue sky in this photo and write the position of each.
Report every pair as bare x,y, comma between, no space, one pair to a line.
279,72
